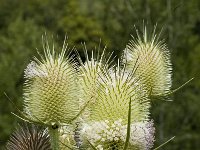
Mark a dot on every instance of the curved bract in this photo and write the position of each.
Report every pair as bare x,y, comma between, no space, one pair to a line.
150,57
51,89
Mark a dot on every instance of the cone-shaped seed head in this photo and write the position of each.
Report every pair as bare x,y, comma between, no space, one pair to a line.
51,89
150,58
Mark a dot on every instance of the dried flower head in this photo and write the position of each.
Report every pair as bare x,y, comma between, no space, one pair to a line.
51,88
29,137
151,58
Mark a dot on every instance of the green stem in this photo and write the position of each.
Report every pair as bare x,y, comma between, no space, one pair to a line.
54,135
128,127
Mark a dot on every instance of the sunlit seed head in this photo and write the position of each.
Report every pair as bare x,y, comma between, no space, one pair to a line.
106,125
50,89
150,58
89,75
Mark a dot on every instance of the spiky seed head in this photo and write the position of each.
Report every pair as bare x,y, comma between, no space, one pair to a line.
150,58
107,135
115,89
29,137
89,74
50,89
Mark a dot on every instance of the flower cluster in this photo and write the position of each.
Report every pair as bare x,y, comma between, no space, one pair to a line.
108,103
103,134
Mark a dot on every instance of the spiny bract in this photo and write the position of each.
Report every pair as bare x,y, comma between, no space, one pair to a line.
150,59
50,89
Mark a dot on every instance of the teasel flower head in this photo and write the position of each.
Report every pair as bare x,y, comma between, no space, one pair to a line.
89,74
50,89
150,56
115,89
29,137
109,113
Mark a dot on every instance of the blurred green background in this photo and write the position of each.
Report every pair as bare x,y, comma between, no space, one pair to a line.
22,24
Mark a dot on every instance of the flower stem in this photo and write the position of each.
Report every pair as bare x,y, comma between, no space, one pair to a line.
54,135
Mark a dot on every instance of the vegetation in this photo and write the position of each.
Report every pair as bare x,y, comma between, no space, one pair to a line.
24,22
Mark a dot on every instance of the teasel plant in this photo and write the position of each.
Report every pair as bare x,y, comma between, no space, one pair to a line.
96,104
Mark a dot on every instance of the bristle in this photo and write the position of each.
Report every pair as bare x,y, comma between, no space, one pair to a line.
89,74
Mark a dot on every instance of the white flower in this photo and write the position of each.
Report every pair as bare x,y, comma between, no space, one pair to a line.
32,70
104,132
